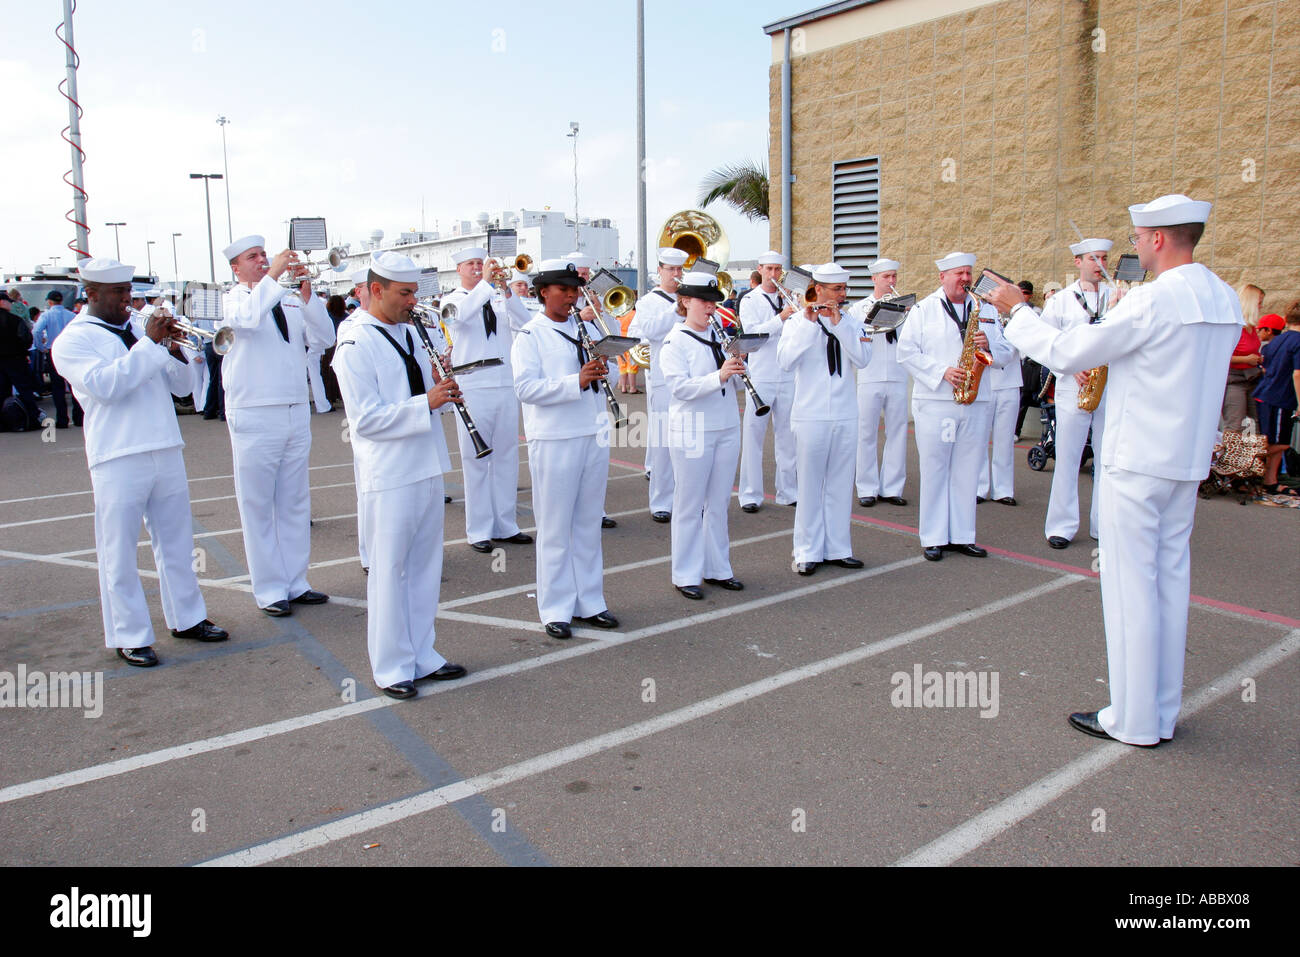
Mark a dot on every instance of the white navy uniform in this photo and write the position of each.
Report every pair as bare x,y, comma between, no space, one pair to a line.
951,439
1168,344
265,381
760,312
492,482
343,331
882,388
705,444
1064,312
401,451
568,458
133,448
656,314
825,420
1003,380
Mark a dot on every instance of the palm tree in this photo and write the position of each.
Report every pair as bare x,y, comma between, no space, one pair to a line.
742,186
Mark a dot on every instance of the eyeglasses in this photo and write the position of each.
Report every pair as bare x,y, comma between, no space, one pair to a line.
1132,239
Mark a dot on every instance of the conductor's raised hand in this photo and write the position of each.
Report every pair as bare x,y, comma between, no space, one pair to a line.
1006,296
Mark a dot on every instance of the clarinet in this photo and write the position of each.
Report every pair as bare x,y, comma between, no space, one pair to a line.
441,372
616,410
759,406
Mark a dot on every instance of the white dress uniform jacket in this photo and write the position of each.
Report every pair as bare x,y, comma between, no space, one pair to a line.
882,388
568,457
704,445
343,332
760,312
656,314
1168,344
825,420
133,448
402,453
1003,380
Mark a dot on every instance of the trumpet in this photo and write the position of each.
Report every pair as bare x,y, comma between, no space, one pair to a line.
313,269
441,365
500,273
223,340
760,407
616,410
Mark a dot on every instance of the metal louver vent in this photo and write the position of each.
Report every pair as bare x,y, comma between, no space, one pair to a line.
855,219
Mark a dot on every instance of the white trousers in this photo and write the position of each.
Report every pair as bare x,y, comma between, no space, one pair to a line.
658,461
1002,454
404,526
569,478
271,445
315,381
1146,570
886,479
492,482
825,463
1071,436
201,394
780,396
703,471
950,441
362,551
149,486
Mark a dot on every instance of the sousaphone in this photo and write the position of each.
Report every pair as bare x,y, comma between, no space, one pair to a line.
697,234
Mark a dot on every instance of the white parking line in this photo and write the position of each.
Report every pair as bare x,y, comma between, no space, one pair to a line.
984,827
355,824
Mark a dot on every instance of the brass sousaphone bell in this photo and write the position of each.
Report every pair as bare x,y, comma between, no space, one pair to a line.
697,234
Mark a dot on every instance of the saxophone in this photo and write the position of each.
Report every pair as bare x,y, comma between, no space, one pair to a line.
1090,393
972,362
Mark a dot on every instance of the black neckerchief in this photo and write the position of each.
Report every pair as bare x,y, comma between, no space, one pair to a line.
952,314
581,352
123,332
280,322
414,374
774,302
489,319
667,298
1093,317
834,363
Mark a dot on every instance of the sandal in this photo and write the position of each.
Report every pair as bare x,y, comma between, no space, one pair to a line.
1277,488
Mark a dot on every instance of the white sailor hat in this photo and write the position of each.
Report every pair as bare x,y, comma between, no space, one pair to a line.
830,273
107,271
361,275
700,285
771,258
580,260
242,245
465,255
669,256
807,267
1090,246
882,265
1172,210
955,261
394,266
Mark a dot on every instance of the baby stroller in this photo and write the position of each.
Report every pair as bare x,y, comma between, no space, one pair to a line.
1039,454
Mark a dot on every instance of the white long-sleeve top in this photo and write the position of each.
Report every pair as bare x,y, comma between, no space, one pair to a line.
818,395
699,401
396,438
261,368
654,319
126,394
760,312
470,341
930,342
883,366
546,370
1168,344
1063,312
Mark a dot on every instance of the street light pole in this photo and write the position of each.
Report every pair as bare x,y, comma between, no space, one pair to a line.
225,162
176,270
116,242
577,238
207,198
148,255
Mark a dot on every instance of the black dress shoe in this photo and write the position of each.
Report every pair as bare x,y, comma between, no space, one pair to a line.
662,518
974,551
446,500
751,508
933,553
805,568
1086,721
401,691
203,631
278,609
867,501
140,657
791,504
601,619
607,522
559,629
209,416
483,547
1008,500
980,500
448,672
894,500
310,597
849,562
518,538
730,584
693,592
1056,541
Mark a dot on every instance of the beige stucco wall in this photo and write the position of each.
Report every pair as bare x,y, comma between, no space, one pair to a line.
997,125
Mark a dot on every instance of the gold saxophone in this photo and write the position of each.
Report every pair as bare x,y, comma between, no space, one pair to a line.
1090,391
972,362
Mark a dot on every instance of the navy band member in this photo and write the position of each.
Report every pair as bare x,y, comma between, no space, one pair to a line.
265,379
567,426
359,277
882,388
704,438
392,396
123,373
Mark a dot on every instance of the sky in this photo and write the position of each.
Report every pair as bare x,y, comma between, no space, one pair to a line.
366,114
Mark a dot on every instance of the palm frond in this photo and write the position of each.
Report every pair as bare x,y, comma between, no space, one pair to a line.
743,186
